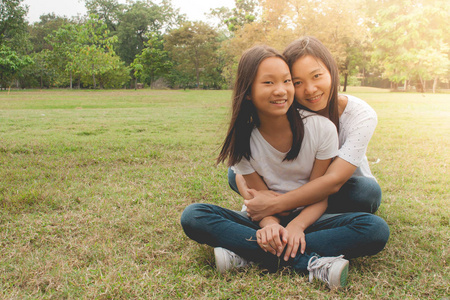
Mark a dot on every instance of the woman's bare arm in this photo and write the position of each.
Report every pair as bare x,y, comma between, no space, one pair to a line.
262,205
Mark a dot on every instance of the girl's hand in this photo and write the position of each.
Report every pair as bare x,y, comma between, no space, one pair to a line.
272,238
295,240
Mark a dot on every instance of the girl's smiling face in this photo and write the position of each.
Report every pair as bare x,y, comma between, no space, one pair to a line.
272,92
312,83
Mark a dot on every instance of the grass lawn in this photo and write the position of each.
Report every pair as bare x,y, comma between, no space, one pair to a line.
93,184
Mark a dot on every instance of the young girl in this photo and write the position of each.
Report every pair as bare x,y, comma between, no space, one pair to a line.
278,148
348,182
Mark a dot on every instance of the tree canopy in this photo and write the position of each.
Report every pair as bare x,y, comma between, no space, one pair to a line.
12,22
401,42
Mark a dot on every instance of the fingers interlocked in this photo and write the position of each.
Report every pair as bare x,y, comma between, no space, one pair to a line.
270,240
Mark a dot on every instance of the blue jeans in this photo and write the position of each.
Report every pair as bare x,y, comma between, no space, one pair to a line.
350,234
358,194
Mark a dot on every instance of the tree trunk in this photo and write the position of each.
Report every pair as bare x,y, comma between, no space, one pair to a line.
363,80
197,69
151,78
420,85
93,76
435,84
345,82
198,78
71,79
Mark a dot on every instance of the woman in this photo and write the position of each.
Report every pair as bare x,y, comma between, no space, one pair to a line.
348,182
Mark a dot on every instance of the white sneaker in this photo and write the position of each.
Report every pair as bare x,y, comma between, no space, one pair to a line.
332,270
226,260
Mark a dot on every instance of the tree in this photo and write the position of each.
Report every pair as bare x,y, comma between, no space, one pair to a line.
13,25
138,21
193,48
153,62
86,52
107,10
64,48
13,41
95,48
10,65
243,13
101,68
39,74
133,23
436,63
40,30
411,40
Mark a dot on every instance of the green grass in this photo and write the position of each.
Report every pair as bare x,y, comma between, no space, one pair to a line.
93,184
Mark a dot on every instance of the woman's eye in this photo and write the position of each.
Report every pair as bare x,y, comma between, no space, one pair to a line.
297,82
288,81
317,75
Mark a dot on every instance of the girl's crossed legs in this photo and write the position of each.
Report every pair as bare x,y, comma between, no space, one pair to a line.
348,234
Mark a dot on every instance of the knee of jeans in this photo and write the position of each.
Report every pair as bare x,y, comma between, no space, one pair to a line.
188,217
368,194
375,197
379,233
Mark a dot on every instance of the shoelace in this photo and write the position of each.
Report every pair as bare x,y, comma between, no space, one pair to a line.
319,267
236,260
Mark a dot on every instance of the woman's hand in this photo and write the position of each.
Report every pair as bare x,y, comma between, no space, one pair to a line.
295,241
272,238
259,205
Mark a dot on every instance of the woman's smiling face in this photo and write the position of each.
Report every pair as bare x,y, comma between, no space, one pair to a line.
312,82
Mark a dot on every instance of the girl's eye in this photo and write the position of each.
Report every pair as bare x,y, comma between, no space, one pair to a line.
288,81
267,82
317,75
297,82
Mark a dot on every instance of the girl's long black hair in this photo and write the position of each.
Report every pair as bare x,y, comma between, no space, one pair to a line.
244,117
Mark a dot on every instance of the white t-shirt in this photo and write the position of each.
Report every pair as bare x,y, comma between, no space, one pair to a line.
356,126
320,141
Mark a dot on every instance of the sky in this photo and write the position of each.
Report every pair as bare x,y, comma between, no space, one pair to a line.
194,9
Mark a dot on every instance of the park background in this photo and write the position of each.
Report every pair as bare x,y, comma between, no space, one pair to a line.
379,43
93,180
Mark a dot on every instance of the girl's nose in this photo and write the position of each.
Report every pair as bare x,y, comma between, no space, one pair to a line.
280,90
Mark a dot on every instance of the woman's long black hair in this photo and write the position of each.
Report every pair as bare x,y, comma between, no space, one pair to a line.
309,45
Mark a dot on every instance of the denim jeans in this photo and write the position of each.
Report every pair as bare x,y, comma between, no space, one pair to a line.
350,234
358,194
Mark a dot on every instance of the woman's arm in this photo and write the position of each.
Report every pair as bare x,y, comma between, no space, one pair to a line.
262,205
